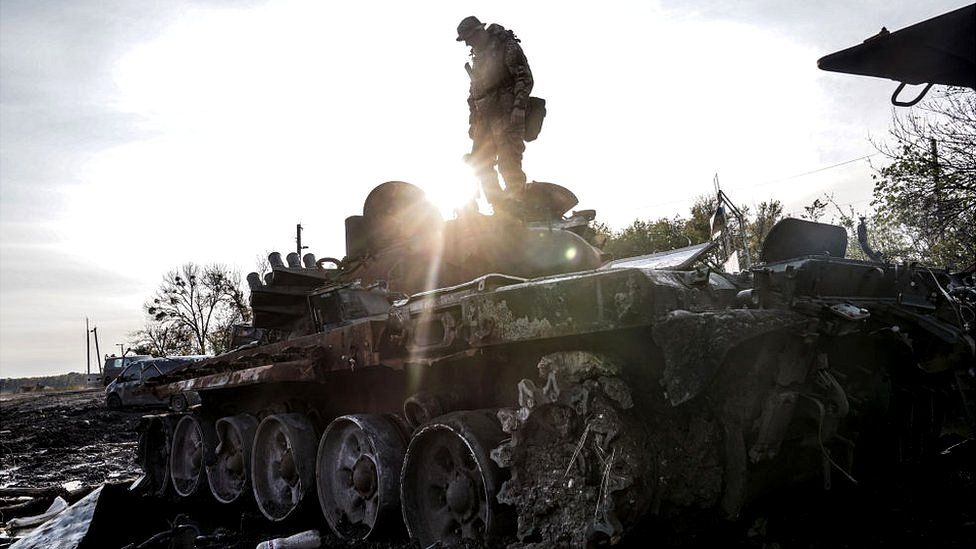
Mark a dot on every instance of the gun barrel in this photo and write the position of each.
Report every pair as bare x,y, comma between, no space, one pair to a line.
941,50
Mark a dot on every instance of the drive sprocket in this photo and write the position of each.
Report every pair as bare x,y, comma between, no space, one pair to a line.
577,456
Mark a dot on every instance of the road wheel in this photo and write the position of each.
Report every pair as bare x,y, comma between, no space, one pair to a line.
155,437
449,484
229,474
178,403
358,476
114,402
283,464
192,449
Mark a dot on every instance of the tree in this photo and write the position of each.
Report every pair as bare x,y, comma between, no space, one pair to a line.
699,226
767,215
826,210
204,302
645,237
925,199
893,240
262,264
160,338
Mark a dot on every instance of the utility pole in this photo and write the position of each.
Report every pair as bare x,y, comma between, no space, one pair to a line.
298,241
936,182
98,352
87,348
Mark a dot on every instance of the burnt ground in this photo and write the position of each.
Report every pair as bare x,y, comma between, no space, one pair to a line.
52,439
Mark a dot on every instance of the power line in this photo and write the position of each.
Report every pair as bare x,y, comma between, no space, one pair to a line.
825,168
788,178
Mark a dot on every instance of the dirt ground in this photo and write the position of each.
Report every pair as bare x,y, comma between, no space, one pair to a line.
71,439
53,439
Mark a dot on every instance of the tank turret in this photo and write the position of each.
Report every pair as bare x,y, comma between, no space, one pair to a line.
401,241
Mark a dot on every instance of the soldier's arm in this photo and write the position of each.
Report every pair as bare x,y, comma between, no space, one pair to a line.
518,67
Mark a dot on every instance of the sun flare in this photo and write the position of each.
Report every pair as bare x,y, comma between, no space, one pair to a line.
453,189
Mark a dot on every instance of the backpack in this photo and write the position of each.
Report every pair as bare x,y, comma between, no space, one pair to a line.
534,116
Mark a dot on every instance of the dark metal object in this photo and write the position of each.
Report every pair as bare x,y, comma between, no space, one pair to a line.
941,50
229,475
192,448
358,476
283,464
797,237
155,440
862,241
719,224
681,259
422,407
449,481
911,102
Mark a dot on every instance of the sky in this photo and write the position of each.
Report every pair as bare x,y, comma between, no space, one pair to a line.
137,136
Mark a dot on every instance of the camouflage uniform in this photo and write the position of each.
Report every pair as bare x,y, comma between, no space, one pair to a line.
499,96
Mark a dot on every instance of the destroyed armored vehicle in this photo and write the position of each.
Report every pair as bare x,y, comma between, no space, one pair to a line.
489,377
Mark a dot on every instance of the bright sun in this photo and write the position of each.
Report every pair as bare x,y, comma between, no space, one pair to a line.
453,188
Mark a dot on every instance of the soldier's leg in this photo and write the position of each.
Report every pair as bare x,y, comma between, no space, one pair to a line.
510,147
483,155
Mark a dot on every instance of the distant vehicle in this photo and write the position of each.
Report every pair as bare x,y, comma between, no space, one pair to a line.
115,364
129,388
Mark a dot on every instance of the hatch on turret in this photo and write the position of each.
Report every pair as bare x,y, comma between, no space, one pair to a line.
797,237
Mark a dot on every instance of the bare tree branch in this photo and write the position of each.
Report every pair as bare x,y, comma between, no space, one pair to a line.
198,301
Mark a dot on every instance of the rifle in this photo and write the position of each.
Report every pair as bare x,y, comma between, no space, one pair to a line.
535,113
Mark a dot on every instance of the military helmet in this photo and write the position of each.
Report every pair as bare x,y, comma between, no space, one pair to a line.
467,26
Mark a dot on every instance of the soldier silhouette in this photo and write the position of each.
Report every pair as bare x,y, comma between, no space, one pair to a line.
501,82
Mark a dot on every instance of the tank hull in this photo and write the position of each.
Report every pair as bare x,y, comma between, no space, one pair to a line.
648,390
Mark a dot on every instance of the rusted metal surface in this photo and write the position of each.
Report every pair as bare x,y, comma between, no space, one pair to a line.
304,359
353,346
640,386
299,370
588,303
